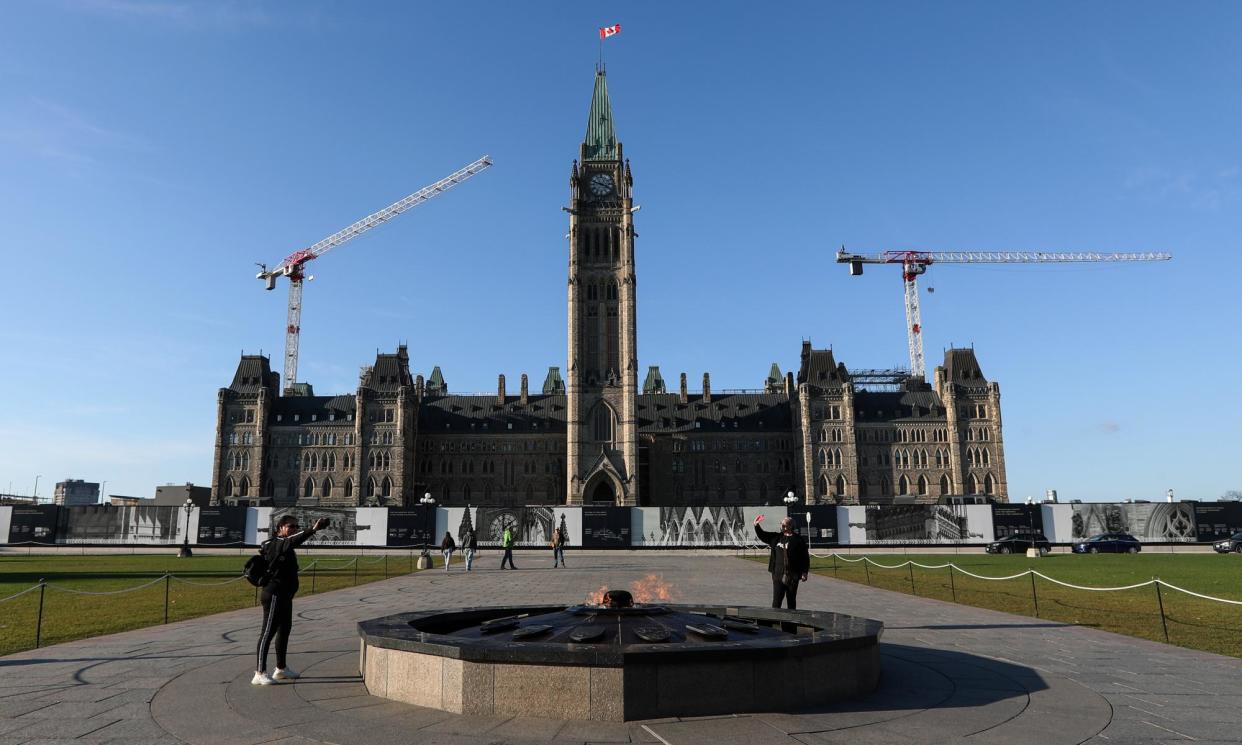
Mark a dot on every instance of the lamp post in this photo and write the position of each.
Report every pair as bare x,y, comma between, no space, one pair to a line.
35,498
790,498
428,502
1033,550
185,551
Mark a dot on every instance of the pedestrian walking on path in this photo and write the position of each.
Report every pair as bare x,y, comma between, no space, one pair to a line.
277,596
448,546
559,541
469,546
789,562
506,541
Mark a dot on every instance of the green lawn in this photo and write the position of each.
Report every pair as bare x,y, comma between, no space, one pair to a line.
1191,622
68,616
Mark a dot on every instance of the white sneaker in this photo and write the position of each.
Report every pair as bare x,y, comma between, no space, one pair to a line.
262,679
285,673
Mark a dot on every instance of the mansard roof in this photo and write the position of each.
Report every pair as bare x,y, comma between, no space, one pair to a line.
728,412
312,409
481,414
390,371
962,367
819,369
601,138
883,406
254,371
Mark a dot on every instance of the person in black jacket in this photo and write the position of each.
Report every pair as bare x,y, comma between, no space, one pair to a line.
447,547
277,595
789,563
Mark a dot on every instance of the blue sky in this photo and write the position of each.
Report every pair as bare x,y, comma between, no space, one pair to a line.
152,152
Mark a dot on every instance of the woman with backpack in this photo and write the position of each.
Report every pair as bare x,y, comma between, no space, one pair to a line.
448,546
279,584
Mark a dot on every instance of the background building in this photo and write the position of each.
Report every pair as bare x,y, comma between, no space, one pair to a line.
76,492
176,494
829,435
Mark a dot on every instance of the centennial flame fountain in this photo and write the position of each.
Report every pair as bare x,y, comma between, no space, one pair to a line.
611,659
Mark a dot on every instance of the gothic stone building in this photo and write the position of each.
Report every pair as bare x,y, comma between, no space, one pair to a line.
592,437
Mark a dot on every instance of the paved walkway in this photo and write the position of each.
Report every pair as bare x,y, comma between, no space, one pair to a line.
952,674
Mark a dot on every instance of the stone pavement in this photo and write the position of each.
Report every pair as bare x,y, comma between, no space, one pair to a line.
952,674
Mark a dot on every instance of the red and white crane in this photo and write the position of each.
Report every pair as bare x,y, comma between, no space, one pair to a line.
914,263
292,265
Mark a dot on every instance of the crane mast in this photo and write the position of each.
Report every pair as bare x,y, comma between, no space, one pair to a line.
914,263
292,266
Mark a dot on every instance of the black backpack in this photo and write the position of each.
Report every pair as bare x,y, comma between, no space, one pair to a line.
258,570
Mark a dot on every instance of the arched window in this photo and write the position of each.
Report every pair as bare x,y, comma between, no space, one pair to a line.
836,458
386,488
325,489
349,488
987,459
602,426
840,492
885,487
946,486
308,488
823,486
371,490
922,484
823,458
465,493
270,489
243,489
862,487
228,487
291,489
974,484
246,461
903,485
987,484
331,461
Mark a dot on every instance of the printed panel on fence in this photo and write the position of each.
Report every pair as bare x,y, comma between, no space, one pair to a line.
531,526
818,522
1217,520
411,526
222,526
105,523
33,524
697,526
1161,521
1011,519
917,523
606,527
342,527
6,514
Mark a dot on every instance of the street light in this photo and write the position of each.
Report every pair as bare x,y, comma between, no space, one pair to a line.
35,498
428,502
185,551
790,498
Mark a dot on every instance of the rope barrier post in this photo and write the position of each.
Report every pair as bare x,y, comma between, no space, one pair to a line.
385,566
952,585
355,571
167,582
913,589
1034,597
867,571
1159,599
313,573
834,563
39,624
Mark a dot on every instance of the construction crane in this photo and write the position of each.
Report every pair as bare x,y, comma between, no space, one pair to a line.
292,266
914,263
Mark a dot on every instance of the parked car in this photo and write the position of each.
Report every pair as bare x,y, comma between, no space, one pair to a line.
1231,544
1018,543
1109,543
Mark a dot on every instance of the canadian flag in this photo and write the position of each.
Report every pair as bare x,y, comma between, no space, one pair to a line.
607,31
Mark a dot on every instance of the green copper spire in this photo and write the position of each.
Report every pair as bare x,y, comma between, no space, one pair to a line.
601,138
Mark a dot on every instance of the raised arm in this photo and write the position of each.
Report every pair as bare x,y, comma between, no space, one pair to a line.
297,539
768,538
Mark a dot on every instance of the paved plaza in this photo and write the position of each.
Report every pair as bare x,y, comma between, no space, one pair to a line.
951,673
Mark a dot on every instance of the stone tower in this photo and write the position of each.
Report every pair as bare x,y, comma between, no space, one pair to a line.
602,457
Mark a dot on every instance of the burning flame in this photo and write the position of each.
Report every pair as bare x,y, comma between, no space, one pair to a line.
649,589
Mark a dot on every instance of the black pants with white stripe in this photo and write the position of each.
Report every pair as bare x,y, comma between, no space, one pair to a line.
277,623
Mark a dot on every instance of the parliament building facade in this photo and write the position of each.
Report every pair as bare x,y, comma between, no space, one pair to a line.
592,436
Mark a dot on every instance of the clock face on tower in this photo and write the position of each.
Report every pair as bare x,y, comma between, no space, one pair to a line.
601,184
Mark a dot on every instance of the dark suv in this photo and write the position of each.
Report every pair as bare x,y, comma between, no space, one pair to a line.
1018,543
1231,544
1109,543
